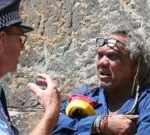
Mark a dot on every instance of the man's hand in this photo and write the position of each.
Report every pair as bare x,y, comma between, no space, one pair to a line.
46,91
49,97
121,124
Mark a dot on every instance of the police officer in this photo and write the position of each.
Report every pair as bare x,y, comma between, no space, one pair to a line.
12,39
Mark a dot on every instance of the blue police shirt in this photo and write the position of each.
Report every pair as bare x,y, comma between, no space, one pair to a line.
5,125
5,128
70,126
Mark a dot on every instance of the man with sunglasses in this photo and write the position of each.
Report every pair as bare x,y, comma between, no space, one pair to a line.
121,97
12,40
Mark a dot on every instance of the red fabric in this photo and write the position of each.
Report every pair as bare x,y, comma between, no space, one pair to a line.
81,97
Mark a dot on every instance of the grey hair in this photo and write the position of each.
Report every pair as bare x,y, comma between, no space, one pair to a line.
139,51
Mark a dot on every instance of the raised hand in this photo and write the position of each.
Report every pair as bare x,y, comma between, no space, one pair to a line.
49,97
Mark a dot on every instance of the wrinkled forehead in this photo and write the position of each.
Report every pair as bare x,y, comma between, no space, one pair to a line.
121,38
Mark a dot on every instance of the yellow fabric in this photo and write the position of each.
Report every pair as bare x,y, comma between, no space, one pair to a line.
85,108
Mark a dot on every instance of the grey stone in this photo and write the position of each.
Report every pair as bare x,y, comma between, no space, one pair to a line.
63,45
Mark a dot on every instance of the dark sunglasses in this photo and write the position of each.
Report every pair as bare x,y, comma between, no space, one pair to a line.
110,42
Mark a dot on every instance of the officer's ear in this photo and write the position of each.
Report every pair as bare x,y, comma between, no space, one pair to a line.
2,40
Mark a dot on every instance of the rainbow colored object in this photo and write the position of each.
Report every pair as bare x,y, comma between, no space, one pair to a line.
80,106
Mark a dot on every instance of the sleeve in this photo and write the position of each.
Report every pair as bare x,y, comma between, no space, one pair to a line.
71,126
143,125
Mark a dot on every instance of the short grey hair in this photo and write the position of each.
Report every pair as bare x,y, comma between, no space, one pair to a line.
139,51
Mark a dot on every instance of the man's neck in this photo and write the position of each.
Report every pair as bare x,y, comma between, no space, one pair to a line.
117,99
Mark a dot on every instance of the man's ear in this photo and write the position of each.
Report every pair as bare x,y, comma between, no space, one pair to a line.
2,40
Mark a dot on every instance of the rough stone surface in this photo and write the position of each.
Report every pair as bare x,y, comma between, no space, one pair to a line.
63,46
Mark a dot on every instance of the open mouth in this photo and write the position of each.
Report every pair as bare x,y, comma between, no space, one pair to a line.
107,73
104,74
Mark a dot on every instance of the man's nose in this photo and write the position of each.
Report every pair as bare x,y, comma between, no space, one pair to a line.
104,61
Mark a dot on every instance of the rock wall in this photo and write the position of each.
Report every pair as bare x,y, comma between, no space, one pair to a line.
63,45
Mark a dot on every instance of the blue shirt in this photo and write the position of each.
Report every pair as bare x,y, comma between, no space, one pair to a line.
70,126
5,125
5,128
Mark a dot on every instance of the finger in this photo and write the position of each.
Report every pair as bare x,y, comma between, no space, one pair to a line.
50,83
40,79
55,103
59,90
133,117
34,88
56,97
43,76
57,93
